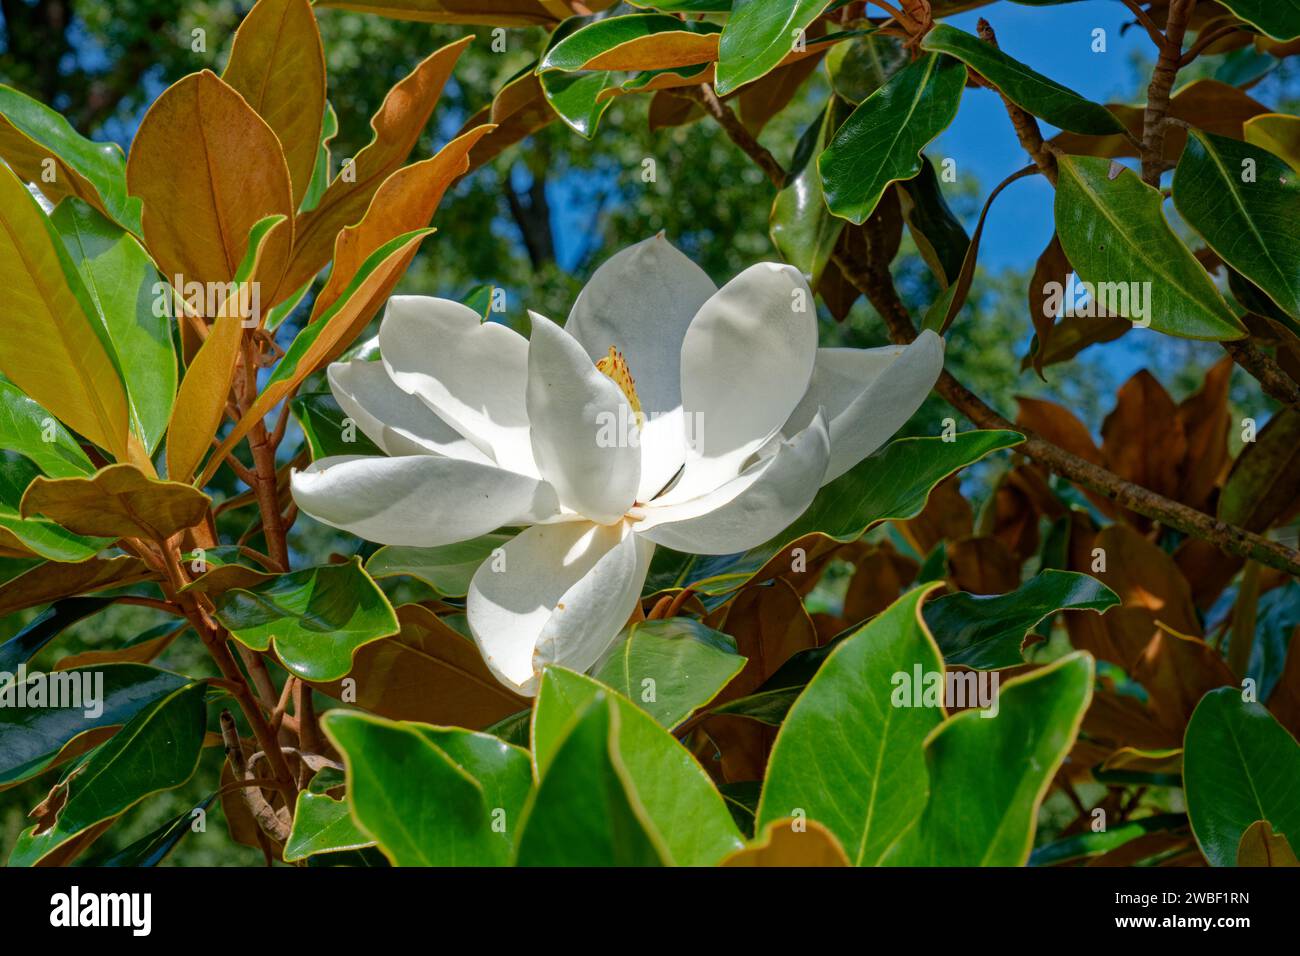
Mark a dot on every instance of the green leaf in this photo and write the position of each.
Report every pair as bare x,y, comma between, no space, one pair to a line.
760,34
322,422
1115,234
1245,203
975,817
32,737
1096,843
803,229
986,631
1031,91
118,501
637,41
576,98
447,569
322,824
320,172
1280,19
846,755
585,811
862,65
317,617
891,484
1239,765
432,796
152,849
936,230
881,141
37,534
24,426
157,750
679,664
123,284
683,809
94,171
45,627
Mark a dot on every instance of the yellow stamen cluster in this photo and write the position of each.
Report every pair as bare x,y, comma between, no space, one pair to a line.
614,367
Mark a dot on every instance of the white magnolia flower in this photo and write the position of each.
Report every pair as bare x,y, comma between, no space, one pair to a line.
666,411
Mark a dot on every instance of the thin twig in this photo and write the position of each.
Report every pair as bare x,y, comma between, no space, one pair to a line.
1162,82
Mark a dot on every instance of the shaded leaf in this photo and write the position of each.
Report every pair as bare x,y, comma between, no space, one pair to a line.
782,845
117,502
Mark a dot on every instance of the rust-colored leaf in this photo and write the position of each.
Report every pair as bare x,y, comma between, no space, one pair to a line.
208,169
769,624
405,201
278,65
118,501
781,844
1142,438
427,672
983,565
53,580
1205,422
1260,846
398,123
1178,670
947,516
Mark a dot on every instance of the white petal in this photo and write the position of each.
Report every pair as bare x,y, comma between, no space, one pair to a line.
420,500
472,373
560,595
748,509
746,362
884,404
583,430
641,301
396,421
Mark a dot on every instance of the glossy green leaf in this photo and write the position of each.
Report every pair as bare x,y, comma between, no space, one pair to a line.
585,811
1115,234
1245,203
124,287
1239,765
432,796
881,141
576,98
45,627
153,848
977,817
1031,91
322,423
638,41
846,755
802,228
321,172
1280,19
891,484
1094,843
683,808
24,426
760,34
94,171
322,824
862,65
670,668
156,750
986,631
316,618
938,233
32,737
447,569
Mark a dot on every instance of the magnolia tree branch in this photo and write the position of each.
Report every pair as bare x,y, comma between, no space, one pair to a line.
876,283
1027,131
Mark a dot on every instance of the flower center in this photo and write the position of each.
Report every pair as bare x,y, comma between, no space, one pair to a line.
614,367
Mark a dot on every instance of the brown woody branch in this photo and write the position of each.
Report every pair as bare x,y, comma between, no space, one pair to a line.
1027,131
